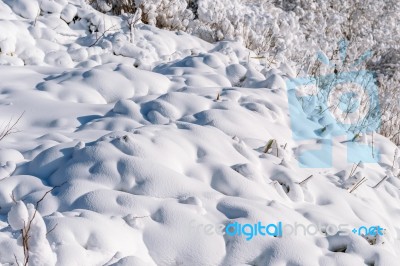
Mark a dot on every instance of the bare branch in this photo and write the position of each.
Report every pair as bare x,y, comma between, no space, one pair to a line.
10,127
27,228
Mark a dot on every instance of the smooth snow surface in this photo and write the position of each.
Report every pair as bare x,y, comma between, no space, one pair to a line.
140,137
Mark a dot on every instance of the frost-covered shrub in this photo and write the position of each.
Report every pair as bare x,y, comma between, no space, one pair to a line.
291,31
365,25
260,25
116,7
387,69
169,14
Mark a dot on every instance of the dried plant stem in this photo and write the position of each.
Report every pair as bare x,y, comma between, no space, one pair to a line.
305,180
358,184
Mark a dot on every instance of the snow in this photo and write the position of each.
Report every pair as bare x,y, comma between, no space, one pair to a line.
28,9
68,13
40,250
18,216
139,135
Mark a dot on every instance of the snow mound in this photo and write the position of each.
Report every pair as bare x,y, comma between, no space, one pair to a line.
18,216
28,9
139,143
103,84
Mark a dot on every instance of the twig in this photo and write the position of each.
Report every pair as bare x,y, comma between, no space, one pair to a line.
358,184
373,156
305,180
380,182
394,158
354,170
36,18
277,149
394,136
9,128
102,35
16,260
269,145
42,198
51,230
140,217
26,230
13,197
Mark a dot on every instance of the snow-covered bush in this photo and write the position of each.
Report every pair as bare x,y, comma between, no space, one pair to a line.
389,83
36,248
116,7
162,13
262,27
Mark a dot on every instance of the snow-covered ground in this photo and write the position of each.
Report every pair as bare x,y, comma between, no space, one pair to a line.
131,143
